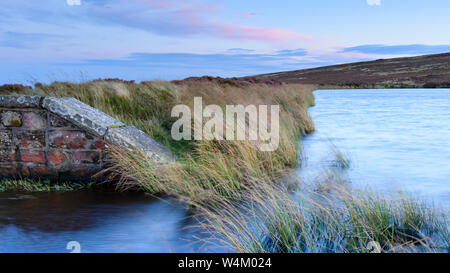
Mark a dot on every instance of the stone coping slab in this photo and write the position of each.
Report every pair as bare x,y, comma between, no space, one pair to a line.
81,114
20,101
133,138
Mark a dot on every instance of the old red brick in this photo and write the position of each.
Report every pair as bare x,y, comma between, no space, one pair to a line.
42,171
32,156
8,169
30,139
68,139
99,145
57,158
34,120
38,171
80,171
86,157
25,171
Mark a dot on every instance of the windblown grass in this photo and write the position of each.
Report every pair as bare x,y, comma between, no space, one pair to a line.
219,167
148,105
273,220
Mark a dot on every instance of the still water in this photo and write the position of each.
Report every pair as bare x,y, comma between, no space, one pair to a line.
98,221
395,140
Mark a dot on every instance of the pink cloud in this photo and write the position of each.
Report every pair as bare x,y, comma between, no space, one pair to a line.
261,34
193,18
182,5
345,56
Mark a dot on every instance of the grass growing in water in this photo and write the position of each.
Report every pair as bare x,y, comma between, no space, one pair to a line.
341,161
27,185
272,220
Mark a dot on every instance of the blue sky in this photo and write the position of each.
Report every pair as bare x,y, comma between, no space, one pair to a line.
77,40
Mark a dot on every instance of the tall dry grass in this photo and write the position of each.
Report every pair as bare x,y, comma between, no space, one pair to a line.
215,169
204,168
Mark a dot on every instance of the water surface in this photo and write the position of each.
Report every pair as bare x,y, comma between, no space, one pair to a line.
99,221
395,139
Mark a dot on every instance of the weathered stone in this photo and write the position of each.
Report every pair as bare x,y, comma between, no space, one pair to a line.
57,158
20,101
86,157
58,122
30,139
34,121
8,169
11,119
81,114
7,154
68,139
5,138
34,156
132,138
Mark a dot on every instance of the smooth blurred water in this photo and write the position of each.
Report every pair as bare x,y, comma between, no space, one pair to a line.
395,139
99,221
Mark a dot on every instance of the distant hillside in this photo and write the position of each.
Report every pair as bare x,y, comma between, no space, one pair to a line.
429,71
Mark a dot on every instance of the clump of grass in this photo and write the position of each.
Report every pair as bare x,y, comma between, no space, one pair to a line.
27,185
341,160
272,220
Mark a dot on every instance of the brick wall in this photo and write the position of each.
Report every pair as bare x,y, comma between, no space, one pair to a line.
63,139
36,143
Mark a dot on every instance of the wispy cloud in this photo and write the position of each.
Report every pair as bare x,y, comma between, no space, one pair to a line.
294,52
193,18
238,50
73,2
165,18
232,63
234,60
247,14
22,40
373,2
415,49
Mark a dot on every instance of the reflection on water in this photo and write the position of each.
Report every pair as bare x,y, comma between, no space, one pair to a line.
100,222
395,139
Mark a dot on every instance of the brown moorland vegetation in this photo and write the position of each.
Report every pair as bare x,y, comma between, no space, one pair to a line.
429,71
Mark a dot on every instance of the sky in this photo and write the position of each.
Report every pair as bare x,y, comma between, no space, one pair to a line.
79,40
